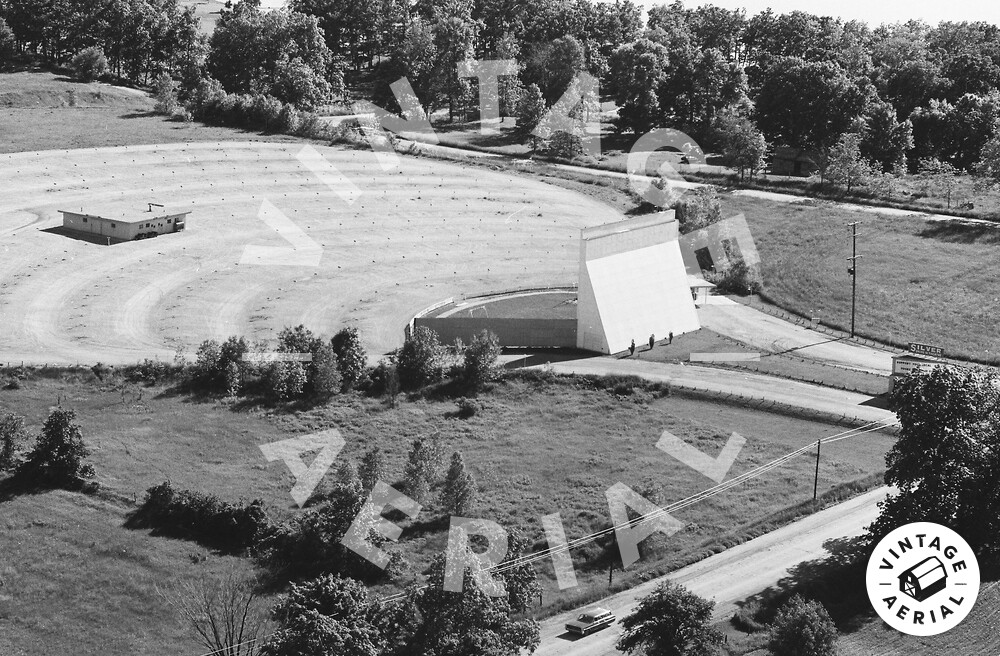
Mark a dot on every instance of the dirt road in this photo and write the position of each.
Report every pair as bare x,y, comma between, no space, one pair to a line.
728,577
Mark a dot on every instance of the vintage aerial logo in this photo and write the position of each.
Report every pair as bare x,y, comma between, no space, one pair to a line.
923,579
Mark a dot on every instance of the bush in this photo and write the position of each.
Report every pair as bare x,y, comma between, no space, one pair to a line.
737,278
351,357
467,407
205,518
220,367
698,209
288,119
802,627
57,458
165,92
419,360
8,44
748,618
480,362
324,373
149,372
284,380
12,437
89,64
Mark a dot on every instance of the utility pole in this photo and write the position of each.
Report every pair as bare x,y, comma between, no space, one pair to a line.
816,479
853,271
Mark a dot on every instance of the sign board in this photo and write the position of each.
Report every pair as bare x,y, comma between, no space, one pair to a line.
904,367
926,349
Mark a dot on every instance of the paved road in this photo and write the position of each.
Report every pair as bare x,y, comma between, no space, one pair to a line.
779,390
728,577
773,335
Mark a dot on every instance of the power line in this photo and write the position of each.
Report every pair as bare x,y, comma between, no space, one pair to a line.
678,505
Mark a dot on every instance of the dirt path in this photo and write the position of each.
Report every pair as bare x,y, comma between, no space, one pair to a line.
728,577
422,232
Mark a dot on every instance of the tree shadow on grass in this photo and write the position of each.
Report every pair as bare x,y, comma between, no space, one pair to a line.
836,580
147,114
26,481
962,233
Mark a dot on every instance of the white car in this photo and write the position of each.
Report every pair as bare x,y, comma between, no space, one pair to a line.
591,620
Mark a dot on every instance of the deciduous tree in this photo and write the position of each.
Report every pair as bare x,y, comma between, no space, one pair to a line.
670,621
802,628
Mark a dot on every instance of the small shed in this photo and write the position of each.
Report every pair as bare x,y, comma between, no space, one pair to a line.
925,579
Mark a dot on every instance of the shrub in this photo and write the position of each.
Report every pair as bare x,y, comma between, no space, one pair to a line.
423,466
467,407
480,363
747,618
265,111
310,543
8,44
284,380
89,64
165,92
57,458
149,371
205,518
351,357
737,278
384,379
12,437
698,209
564,144
459,493
324,374
372,468
802,627
288,119
220,367
419,360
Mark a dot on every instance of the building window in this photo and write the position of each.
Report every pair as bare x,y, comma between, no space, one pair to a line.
169,220
84,219
113,225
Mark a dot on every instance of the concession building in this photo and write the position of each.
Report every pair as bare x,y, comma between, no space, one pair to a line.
119,224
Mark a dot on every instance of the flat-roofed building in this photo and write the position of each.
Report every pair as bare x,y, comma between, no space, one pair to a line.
119,224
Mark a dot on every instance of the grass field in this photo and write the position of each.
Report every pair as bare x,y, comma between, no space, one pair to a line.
532,449
36,114
918,281
975,636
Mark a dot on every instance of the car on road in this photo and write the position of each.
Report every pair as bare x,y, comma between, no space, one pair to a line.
591,620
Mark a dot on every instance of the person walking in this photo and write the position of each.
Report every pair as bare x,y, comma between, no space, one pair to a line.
631,348
670,339
652,340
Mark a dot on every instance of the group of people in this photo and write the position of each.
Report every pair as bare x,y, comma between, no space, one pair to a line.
652,341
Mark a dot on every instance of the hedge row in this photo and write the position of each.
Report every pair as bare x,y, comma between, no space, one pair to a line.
205,518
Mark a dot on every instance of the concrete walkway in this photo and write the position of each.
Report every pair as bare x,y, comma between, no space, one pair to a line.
773,335
738,383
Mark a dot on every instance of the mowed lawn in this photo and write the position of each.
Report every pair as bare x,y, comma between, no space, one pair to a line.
534,449
918,280
74,581
47,111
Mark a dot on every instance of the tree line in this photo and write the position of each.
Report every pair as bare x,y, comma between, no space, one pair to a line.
911,94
